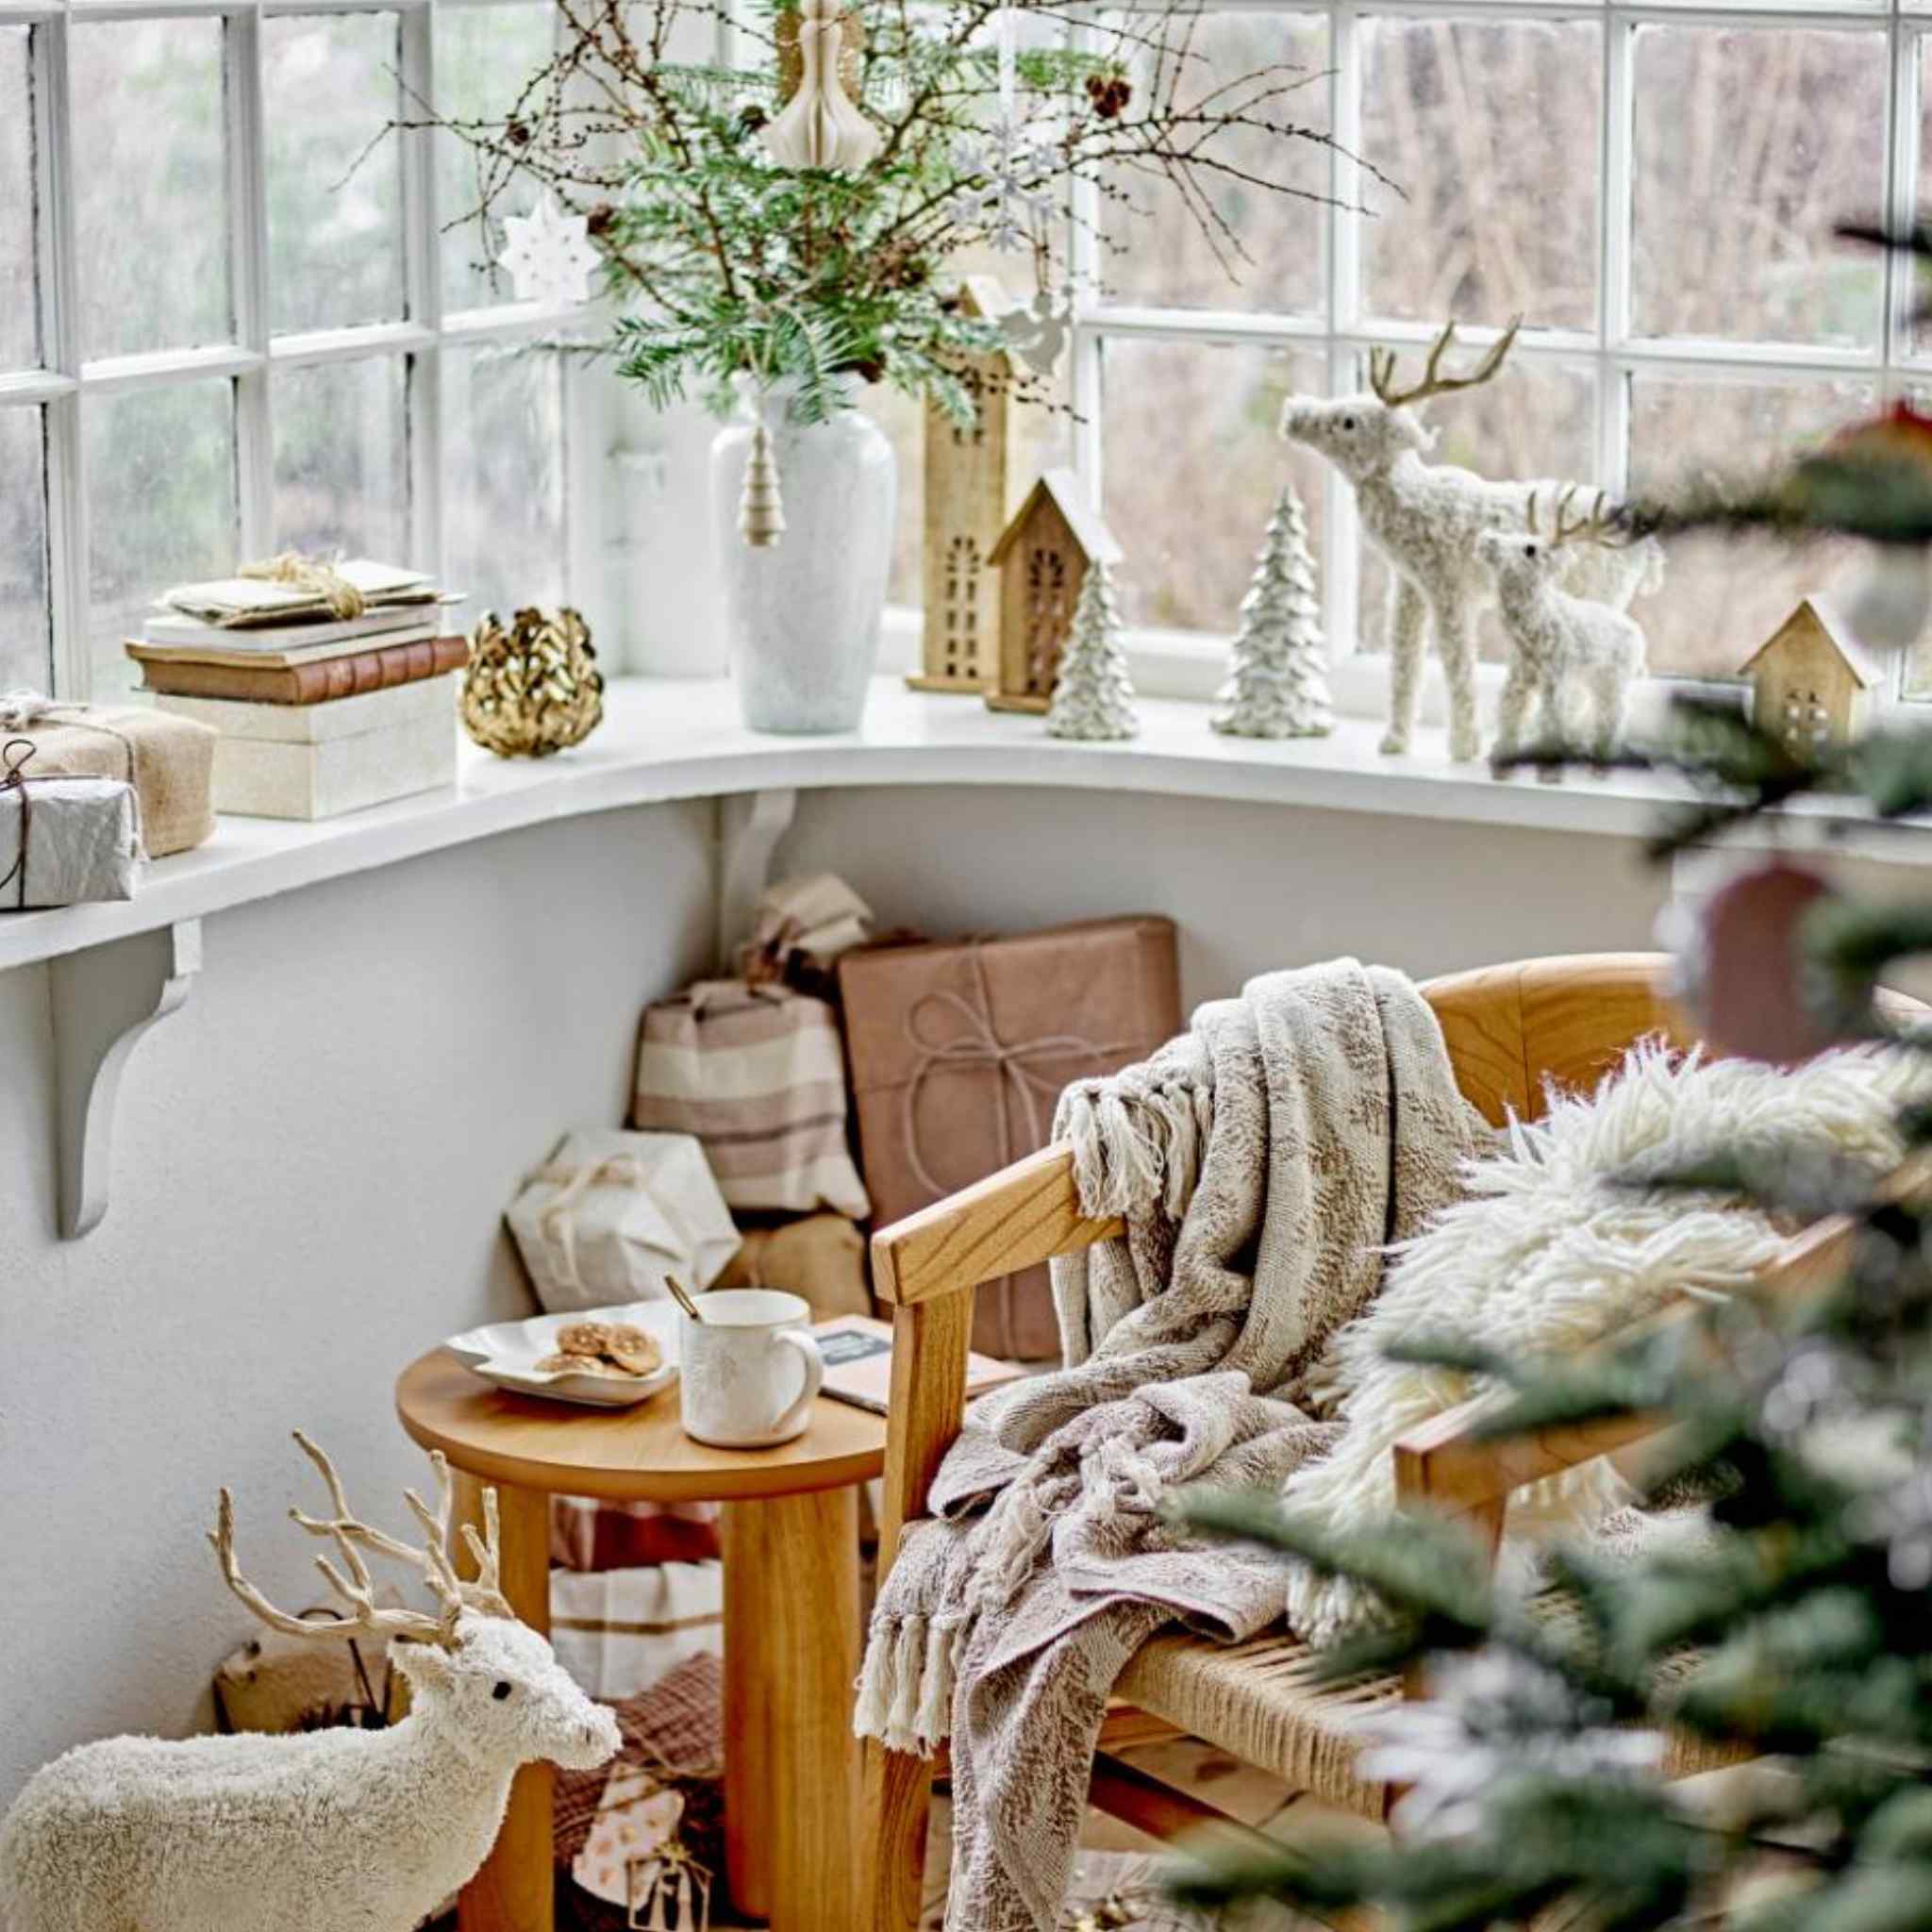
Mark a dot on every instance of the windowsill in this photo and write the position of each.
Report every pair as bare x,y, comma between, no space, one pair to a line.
667,739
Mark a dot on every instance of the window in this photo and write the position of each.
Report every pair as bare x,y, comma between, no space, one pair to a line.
235,318
1654,188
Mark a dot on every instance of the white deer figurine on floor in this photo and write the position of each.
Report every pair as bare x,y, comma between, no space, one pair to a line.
1426,517
1570,655
330,1831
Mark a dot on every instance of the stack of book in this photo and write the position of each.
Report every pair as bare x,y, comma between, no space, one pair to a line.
318,713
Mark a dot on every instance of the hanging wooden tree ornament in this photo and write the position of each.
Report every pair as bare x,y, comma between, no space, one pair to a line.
760,507
821,127
1742,972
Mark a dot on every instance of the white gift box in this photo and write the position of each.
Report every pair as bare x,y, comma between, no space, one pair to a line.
64,842
611,1213
316,761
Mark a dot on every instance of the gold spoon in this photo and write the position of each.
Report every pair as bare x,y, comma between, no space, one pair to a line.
682,1296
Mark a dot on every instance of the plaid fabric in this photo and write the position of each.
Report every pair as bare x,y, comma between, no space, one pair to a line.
589,1535
678,1722
757,1074
618,1632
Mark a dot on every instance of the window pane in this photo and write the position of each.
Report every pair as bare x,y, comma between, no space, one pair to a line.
903,421
1922,330
1534,420
341,458
25,659
503,477
1491,131
160,470
335,198
1156,251
151,191
1189,509
1749,143
1721,598
485,55
20,332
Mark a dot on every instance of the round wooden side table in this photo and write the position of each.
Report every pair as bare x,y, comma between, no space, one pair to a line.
792,1634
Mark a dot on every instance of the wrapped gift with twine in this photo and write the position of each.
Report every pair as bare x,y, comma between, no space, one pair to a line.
170,761
799,928
959,1050
757,1073
610,1214
63,840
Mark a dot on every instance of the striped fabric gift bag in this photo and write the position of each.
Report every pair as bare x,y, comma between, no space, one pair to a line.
757,1074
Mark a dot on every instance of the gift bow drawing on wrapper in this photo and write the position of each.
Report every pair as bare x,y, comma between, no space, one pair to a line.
978,1044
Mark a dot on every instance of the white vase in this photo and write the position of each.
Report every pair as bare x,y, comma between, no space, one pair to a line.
802,614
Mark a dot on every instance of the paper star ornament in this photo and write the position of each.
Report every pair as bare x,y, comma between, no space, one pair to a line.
549,254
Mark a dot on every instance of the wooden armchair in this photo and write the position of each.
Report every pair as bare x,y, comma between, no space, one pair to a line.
1508,1029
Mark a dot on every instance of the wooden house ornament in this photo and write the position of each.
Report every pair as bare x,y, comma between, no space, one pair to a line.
1043,559
969,486
1811,682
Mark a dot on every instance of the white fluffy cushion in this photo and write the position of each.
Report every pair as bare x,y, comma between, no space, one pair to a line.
1545,1256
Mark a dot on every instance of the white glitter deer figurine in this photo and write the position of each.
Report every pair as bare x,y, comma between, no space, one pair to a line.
1570,655
329,1829
1426,517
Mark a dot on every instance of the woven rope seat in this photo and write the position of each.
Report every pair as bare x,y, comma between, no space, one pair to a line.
1264,1702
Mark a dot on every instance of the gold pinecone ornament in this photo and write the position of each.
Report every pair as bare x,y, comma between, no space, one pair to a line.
535,688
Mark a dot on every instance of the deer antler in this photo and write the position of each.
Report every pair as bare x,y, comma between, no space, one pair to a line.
351,1535
1434,383
1597,528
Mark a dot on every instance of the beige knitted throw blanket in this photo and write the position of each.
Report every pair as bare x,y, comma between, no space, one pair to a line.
1262,1161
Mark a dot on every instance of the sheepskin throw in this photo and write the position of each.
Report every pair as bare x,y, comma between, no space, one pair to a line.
1548,1254
1263,1161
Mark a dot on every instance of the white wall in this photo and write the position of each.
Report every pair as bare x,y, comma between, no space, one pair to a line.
1252,886
312,1158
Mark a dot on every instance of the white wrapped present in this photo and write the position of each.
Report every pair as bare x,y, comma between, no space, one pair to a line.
64,840
612,1213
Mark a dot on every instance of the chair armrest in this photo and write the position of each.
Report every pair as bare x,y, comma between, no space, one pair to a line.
1017,1218
927,1266
1445,1465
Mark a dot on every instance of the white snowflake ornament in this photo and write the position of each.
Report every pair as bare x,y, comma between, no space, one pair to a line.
1014,163
549,256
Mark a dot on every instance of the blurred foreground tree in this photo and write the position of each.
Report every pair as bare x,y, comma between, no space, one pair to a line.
1801,1630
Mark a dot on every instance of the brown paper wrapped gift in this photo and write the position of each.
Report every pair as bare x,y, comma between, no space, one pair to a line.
821,1257
170,761
959,1050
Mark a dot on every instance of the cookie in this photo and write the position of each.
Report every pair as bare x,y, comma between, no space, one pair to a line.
584,1338
632,1350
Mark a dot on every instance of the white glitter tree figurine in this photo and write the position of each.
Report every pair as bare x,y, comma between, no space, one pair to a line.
1278,673
1092,695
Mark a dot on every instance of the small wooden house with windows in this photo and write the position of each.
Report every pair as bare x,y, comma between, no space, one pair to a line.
969,486
1811,682
1043,559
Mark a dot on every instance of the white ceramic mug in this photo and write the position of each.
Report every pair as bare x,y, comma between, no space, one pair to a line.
749,1371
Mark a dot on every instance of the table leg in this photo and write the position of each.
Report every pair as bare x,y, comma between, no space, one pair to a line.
792,1764
514,1890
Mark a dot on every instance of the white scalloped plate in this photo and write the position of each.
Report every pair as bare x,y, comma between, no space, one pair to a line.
506,1353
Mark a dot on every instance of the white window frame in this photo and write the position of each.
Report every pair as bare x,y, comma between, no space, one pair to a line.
1343,333
64,383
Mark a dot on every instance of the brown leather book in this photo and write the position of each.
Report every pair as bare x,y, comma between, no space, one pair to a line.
309,684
